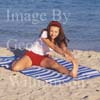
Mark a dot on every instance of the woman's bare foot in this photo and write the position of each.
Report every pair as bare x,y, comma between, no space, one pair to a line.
73,74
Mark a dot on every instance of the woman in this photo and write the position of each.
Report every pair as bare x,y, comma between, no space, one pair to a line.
38,54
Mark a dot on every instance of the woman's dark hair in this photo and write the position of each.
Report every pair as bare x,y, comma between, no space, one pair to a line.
61,37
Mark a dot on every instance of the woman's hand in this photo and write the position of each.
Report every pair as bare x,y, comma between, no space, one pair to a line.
49,54
74,71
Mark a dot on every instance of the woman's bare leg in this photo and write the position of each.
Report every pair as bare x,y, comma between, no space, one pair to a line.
50,63
22,63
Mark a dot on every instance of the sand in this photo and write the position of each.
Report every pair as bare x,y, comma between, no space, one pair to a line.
16,86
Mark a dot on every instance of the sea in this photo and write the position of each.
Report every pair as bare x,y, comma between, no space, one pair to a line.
21,22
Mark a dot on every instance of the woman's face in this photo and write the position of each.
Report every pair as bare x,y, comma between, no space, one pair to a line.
54,32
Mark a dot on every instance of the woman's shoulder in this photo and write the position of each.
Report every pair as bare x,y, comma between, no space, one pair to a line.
44,33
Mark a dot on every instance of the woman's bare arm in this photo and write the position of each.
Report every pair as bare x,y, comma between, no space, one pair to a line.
71,58
68,54
53,46
63,50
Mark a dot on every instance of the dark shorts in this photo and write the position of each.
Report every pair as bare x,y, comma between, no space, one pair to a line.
35,58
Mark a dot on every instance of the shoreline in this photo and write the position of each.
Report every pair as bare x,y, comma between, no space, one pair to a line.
16,86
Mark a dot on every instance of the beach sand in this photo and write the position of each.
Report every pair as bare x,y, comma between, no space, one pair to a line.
16,86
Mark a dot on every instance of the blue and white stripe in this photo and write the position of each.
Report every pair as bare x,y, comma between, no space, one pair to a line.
6,61
51,76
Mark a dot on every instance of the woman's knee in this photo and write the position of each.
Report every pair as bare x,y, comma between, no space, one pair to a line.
16,67
21,64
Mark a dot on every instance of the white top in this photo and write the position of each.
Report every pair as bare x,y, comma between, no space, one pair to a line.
39,47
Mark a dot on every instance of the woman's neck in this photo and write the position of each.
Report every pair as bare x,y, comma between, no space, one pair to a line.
53,41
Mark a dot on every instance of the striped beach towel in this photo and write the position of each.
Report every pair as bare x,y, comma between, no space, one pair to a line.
51,76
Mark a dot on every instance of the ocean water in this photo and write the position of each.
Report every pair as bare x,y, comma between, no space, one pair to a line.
21,21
